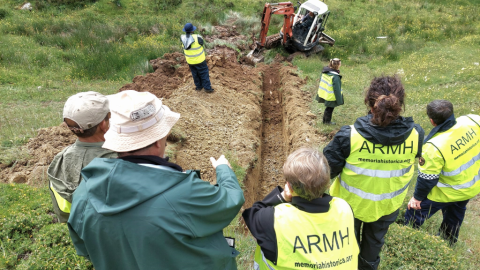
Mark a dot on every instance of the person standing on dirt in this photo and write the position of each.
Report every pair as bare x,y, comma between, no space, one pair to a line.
449,171
141,211
330,89
374,161
291,225
86,115
193,48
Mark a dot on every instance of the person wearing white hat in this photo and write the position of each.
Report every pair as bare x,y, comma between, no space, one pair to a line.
86,114
141,211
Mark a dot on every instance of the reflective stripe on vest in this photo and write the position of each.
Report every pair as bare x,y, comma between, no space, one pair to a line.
375,178
371,196
460,148
63,204
196,54
324,240
325,88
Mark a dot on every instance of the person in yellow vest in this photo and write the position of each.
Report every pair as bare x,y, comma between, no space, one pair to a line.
193,48
300,226
330,89
372,162
449,171
87,115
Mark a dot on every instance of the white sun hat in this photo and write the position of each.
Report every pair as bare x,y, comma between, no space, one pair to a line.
138,120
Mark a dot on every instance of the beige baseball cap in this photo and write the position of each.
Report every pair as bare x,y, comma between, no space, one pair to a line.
87,109
138,120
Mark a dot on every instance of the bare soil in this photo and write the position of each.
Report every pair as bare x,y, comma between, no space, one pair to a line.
256,116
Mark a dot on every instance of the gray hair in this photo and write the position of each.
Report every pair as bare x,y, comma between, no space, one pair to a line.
439,110
308,172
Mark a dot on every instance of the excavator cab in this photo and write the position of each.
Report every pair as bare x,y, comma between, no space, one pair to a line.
308,25
302,29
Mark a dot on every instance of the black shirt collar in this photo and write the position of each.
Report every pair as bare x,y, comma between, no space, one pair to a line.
448,124
154,160
318,205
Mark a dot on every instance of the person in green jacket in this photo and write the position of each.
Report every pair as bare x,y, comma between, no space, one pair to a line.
330,89
86,114
141,211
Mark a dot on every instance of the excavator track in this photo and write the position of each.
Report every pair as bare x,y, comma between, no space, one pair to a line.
273,41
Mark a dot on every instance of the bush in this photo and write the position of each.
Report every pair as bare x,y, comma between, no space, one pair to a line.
3,13
53,249
30,238
407,248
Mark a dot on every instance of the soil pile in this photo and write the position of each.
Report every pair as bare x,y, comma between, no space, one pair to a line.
256,117
41,151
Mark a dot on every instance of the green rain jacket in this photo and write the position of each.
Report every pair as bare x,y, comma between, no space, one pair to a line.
337,88
129,216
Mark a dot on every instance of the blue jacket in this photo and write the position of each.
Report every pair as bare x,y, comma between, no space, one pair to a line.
129,216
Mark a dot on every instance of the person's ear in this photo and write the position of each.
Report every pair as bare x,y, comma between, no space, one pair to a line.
289,186
104,126
433,123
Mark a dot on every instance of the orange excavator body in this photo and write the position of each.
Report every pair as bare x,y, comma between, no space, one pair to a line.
288,11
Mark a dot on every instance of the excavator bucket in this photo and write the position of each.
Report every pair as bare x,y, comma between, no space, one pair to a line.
255,56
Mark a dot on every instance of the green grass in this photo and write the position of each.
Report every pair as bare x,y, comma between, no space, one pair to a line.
443,64
63,47
29,239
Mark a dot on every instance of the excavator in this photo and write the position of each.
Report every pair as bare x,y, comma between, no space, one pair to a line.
301,31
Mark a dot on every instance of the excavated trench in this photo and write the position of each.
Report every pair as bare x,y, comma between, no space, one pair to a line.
257,115
267,172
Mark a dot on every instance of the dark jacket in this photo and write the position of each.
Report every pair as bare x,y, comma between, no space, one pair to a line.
337,88
260,218
338,150
130,216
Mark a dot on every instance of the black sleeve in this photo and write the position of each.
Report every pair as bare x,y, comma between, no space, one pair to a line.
200,41
259,220
423,187
421,136
338,150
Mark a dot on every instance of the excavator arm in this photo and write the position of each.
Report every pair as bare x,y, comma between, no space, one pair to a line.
285,8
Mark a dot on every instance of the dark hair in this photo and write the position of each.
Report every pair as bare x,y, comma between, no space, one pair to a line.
86,132
385,97
439,110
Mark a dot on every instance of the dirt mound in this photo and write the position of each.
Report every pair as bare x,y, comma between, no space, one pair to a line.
170,72
41,150
256,116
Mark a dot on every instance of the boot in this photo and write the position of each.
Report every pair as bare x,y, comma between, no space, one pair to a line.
364,265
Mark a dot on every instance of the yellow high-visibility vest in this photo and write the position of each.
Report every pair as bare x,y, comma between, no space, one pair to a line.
63,204
325,88
196,54
319,239
460,148
375,178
